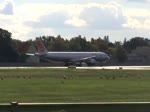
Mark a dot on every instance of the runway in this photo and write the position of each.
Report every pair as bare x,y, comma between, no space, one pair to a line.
100,68
119,67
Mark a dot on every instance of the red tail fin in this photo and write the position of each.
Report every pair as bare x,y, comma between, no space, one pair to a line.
40,47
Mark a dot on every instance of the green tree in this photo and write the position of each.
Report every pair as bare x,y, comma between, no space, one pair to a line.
100,44
7,52
78,44
21,47
120,53
106,39
58,44
134,43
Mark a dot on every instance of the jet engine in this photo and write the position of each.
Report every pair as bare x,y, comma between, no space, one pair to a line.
91,62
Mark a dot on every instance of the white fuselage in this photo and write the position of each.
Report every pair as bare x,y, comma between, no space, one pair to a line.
75,56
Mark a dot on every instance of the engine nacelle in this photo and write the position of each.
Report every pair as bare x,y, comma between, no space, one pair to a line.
91,62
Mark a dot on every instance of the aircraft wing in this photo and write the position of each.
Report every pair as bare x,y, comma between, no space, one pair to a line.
83,59
30,54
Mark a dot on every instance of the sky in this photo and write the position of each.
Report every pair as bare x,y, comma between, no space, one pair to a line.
119,19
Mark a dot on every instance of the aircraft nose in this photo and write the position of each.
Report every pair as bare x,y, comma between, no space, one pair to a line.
107,58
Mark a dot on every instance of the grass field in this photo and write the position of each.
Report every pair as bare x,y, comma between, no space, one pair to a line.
71,85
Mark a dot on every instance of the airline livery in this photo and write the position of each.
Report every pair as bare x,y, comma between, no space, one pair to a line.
70,58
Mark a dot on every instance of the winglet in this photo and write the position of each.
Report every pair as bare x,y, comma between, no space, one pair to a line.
40,47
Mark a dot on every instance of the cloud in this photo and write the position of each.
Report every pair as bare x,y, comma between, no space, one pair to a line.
13,24
73,19
50,20
137,19
92,15
136,12
76,22
7,7
140,1
34,19
107,16
54,15
134,23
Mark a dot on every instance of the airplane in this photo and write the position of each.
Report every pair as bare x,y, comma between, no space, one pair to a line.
69,58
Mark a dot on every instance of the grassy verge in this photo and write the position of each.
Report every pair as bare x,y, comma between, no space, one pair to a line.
71,85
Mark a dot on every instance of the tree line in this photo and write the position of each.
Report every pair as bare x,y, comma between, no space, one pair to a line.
12,50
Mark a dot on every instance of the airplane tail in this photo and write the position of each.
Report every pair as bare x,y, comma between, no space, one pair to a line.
40,47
